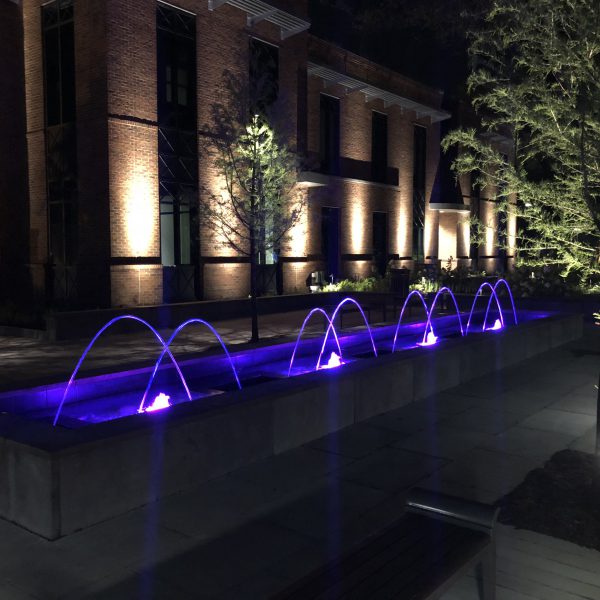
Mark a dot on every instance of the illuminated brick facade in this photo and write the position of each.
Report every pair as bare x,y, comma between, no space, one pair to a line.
116,257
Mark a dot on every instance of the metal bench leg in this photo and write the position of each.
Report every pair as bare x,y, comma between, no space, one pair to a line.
486,574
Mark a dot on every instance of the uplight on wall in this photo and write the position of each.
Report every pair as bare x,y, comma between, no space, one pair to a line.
357,226
140,209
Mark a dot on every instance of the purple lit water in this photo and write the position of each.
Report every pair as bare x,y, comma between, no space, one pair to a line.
428,328
168,345
106,397
418,294
332,320
492,296
306,320
91,344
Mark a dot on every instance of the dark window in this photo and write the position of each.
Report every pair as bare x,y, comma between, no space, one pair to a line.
380,241
176,66
59,62
419,171
330,134
330,240
379,147
177,151
263,75
60,135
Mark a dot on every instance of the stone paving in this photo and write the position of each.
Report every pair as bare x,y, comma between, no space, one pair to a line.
254,531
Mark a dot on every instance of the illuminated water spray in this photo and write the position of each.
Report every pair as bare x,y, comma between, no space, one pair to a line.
166,349
332,320
306,320
420,296
428,328
95,338
493,296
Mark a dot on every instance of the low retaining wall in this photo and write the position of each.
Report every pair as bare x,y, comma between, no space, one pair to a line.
55,481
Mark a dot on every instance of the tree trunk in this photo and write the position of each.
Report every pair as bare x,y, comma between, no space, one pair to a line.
253,286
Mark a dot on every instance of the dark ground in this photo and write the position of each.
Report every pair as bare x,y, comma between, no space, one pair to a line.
562,499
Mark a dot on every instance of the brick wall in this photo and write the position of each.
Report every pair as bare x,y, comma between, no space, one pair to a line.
117,147
357,201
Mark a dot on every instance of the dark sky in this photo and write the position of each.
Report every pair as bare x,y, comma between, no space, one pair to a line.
424,39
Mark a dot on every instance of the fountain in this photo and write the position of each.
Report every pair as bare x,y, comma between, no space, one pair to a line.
306,320
332,320
98,334
477,296
227,428
336,359
410,295
168,345
443,290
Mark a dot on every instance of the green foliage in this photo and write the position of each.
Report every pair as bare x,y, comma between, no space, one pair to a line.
257,206
367,284
528,282
537,79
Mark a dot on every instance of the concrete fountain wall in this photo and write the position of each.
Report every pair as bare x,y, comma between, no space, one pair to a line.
55,481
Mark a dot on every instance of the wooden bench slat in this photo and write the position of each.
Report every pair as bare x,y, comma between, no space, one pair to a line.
379,557
403,569
431,576
313,583
410,545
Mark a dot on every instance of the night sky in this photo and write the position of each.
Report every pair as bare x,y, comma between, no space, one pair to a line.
423,39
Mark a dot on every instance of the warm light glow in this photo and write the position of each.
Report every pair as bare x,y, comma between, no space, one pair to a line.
140,210
298,236
161,401
357,224
447,238
429,239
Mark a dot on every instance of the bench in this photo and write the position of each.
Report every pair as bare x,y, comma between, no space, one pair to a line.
419,557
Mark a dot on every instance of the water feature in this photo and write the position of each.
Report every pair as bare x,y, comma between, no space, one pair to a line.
260,365
314,311
332,320
168,345
419,295
478,294
95,338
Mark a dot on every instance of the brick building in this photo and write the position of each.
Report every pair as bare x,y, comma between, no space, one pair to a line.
102,160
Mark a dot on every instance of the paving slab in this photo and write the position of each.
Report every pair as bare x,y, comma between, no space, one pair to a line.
494,472
449,402
533,443
483,420
584,403
357,441
324,512
586,442
444,442
407,420
391,469
561,421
